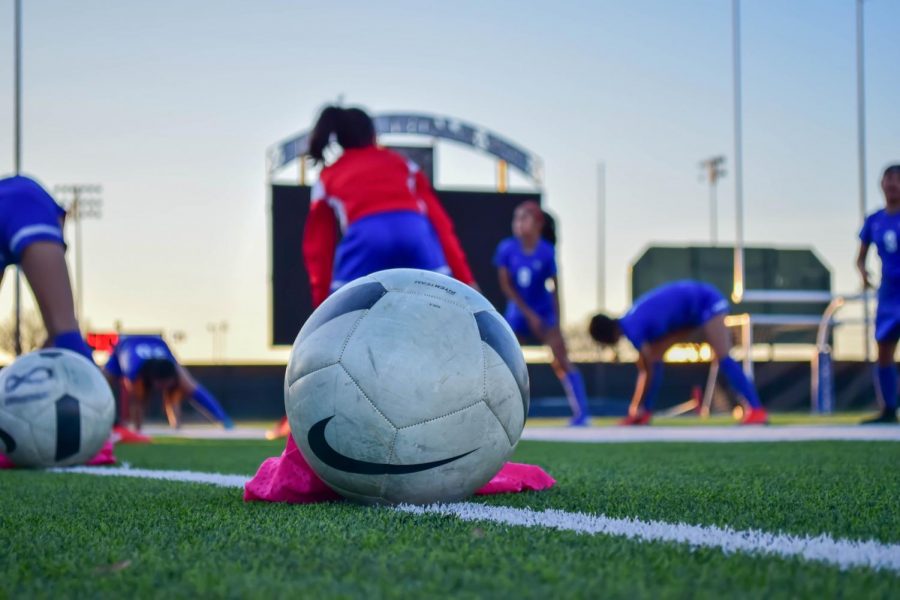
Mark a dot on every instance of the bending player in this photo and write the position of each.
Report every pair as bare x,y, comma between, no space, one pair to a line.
141,364
31,235
882,228
672,313
383,204
526,263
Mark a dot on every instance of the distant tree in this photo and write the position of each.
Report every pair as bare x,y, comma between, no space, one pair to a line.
32,330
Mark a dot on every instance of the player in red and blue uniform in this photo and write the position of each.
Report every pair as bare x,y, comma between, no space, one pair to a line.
882,228
31,236
371,210
526,266
141,364
383,205
669,314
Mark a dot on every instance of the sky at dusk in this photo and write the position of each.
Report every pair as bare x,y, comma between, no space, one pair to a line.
170,106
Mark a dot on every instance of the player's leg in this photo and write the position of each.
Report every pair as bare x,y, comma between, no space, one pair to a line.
719,338
887,333
138,397
44,265
571,379
191,389
172,399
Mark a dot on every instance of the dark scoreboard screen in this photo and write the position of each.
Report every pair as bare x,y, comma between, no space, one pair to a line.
481,219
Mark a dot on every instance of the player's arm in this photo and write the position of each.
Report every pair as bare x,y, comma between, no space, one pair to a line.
443,226
861,264
556,302
509,290
642,384
319,243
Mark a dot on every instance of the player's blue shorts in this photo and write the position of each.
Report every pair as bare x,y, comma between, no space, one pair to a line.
709,303
27,214
392,240
519,323
887,317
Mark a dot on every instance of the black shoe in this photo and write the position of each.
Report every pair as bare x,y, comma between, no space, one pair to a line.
886,417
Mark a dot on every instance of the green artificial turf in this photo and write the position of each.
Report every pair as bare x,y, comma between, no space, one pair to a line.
67,535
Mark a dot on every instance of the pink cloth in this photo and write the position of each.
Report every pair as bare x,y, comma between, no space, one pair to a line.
289,478
106,456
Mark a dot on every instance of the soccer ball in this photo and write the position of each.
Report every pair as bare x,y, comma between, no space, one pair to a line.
56,409
406,386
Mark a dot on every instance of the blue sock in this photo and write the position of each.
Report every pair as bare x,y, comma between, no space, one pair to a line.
72,340
207,401
738,380
579,394
887,385
656,376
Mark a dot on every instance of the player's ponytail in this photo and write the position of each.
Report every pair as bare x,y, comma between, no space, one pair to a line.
352,127
548,231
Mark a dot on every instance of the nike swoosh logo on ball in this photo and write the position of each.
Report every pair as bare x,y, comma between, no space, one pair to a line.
334,459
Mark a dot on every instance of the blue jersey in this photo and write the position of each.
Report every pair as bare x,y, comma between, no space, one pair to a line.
529,271
132,351
883,230
390,240
27,214
684,304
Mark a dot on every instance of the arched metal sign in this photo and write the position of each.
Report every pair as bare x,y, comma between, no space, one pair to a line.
433,126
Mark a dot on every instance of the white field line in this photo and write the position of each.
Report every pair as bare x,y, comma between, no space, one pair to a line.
715,434
842,553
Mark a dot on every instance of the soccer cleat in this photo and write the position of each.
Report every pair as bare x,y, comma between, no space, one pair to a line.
227,423
885,417
642,418
580,421
123,435
756,416
281,430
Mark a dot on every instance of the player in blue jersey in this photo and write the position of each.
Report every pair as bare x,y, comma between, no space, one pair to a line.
672,313
882,228
526,265
141,364
31,236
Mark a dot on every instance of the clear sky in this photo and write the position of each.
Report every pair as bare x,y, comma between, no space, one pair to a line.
170,105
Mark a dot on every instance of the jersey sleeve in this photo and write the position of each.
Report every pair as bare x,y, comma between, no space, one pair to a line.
551,262
443,226
501,255
113,367
319,243
865,234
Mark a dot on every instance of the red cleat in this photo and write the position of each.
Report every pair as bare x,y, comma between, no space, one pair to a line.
756,416
281,430
124,435
642,418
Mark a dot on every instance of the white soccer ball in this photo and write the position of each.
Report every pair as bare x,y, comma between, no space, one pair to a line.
406,386
56,409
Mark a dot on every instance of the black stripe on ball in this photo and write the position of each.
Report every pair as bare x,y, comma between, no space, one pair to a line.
495,335
358,297
8,441
68,427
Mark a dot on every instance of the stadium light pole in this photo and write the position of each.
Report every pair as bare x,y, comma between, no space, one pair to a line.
601,236
737,292
861,147
17,154
83,203
713,171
